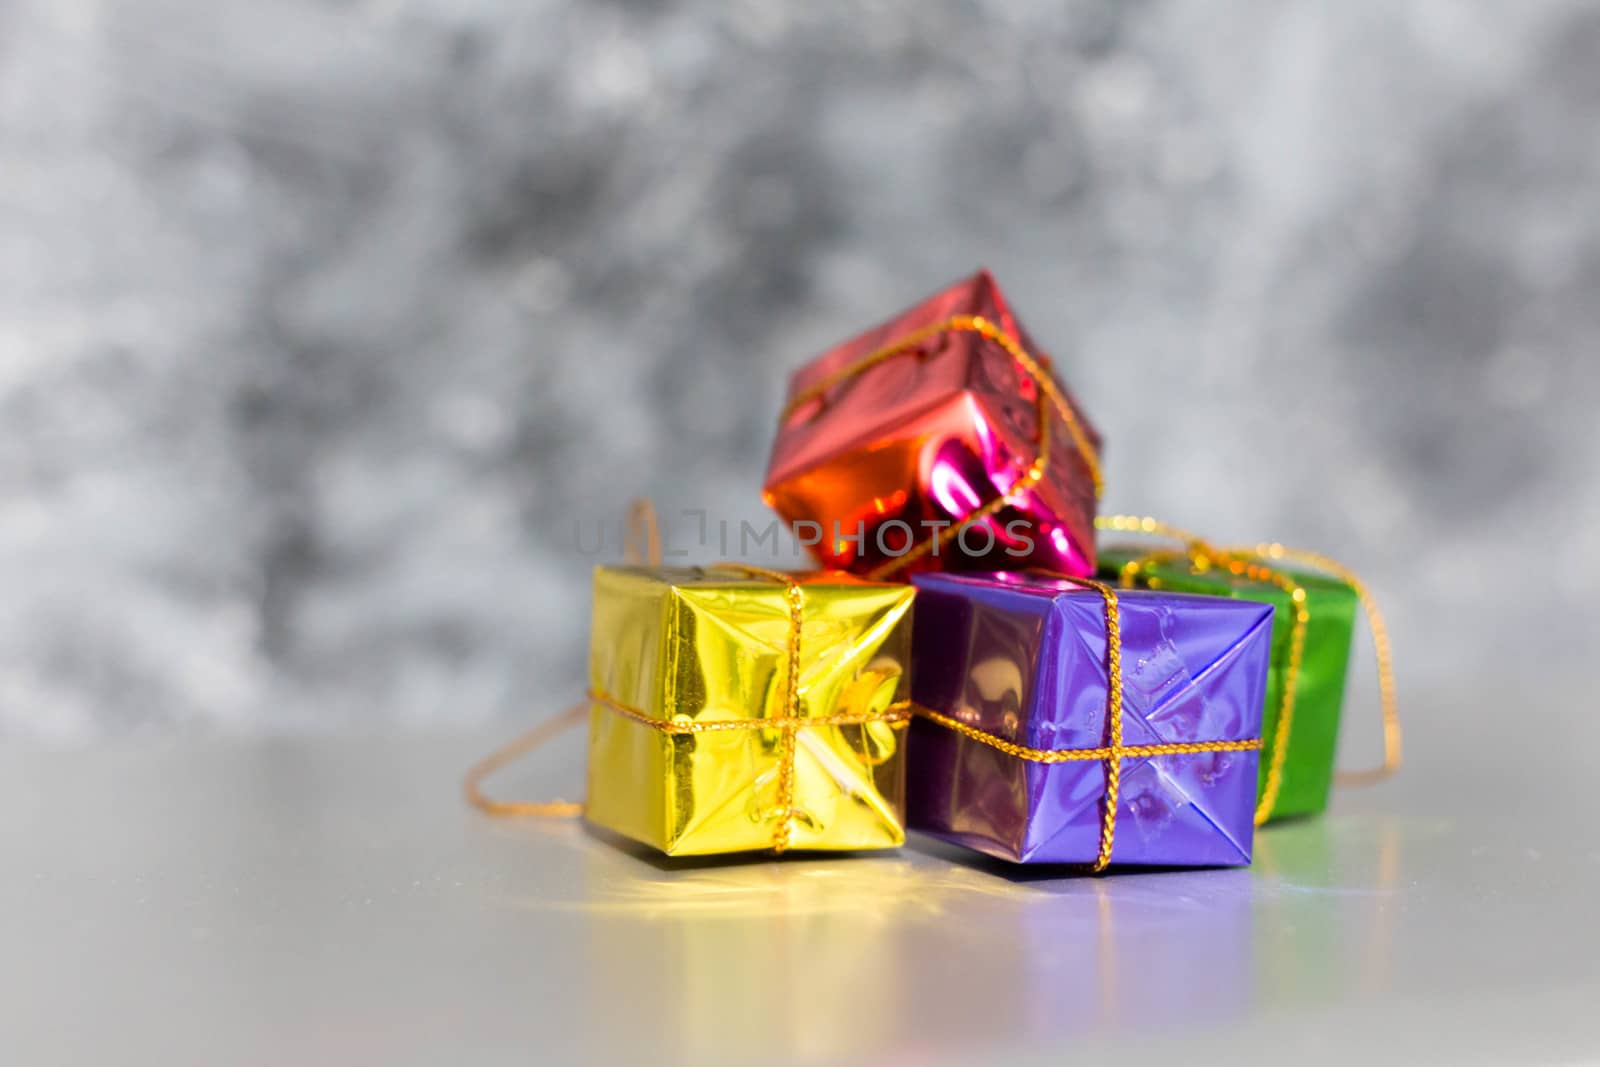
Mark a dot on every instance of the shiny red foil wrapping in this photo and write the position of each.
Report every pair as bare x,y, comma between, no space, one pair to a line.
886,458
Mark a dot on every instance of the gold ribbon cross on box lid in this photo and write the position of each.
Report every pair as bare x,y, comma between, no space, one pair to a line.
733,708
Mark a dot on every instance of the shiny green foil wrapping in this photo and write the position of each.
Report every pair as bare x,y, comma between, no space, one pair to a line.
1319,689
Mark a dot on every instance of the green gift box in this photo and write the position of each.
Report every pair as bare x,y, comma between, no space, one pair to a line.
1302,761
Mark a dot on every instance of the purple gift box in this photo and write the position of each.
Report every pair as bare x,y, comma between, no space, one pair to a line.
1014,759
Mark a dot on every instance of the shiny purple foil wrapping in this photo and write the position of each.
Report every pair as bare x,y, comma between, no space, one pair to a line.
1022,657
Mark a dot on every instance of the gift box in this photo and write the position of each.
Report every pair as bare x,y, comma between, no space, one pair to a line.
737,709
939,440
1305,687
1064,724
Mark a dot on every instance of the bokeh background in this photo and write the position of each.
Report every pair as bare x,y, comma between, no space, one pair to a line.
321,323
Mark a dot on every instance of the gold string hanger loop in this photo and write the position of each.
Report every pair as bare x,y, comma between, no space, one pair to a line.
1255,564
641,544
1383,653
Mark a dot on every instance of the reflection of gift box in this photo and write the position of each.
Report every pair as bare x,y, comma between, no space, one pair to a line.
938,440
738,709
1040,699
1307,759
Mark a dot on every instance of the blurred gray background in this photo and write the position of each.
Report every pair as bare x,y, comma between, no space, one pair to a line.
320,323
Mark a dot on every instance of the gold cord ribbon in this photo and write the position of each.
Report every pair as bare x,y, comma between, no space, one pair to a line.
1049,394
1114,751
791,721
899,711
643,541
472,785
1252,563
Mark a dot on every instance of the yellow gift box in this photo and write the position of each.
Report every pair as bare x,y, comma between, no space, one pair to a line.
735,709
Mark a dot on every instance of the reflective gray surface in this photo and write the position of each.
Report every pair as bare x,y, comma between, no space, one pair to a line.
333,901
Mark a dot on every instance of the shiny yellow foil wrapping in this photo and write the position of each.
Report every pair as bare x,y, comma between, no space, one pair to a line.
694,647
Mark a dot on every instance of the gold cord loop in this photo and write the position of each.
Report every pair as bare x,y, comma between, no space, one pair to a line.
472,786
1383,653
641,542
641,539
1253,563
